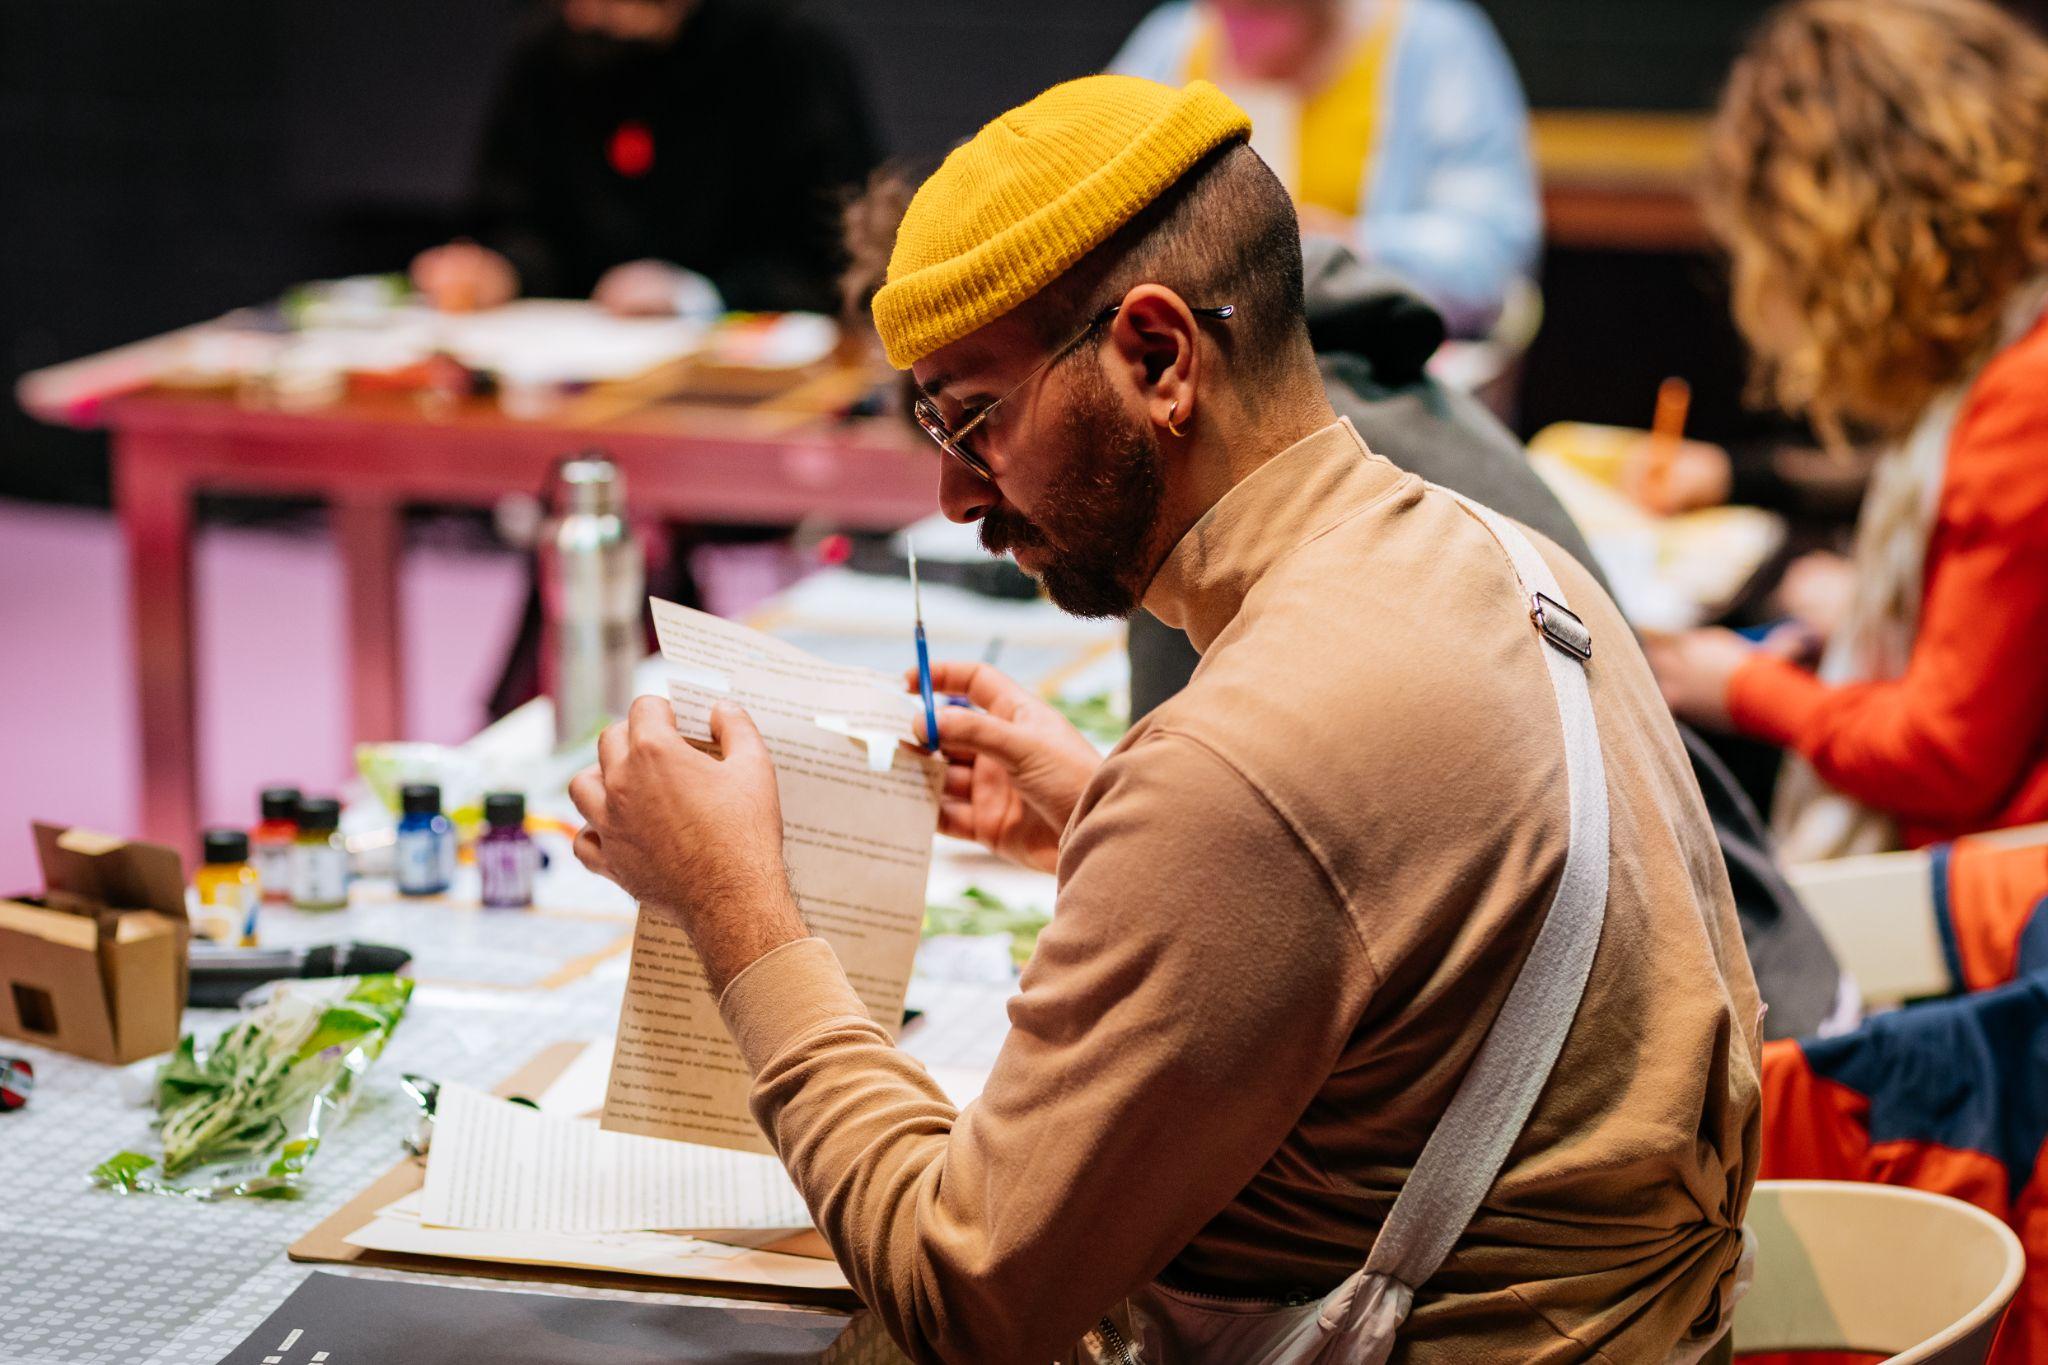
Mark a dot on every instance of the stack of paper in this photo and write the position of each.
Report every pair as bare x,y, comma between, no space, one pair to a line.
1667,573
500,1166
510,1183
399,1227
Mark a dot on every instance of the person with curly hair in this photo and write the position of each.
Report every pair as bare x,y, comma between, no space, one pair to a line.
1878,170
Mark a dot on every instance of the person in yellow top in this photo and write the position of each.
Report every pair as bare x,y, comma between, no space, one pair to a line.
1415,858
1397,125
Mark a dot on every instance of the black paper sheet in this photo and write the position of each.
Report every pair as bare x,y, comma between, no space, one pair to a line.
341,1320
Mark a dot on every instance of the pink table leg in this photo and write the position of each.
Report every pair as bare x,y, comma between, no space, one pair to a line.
371,534
154,503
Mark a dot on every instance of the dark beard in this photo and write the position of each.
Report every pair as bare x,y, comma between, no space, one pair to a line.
1099,514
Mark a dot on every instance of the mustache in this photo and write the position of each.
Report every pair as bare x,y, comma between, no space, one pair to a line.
1002,532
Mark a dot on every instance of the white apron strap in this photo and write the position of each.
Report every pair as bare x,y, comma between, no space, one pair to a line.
1471,1141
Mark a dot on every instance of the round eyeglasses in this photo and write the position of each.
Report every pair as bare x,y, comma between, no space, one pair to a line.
954,440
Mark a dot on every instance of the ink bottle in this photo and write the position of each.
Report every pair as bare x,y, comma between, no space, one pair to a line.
229,888
319,858
270,842
506,856
426,842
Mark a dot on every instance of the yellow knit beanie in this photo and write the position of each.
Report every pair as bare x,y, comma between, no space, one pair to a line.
1033,192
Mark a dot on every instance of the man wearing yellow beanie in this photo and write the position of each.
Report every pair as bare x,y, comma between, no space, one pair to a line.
1422,766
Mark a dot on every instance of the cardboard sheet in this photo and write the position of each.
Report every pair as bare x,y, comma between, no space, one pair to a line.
398,1228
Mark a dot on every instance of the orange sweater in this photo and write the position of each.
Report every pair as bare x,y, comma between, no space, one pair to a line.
1960,742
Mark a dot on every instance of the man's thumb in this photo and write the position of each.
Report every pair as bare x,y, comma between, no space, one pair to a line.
735,733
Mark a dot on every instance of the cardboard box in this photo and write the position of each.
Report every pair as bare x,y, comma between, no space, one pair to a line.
96,964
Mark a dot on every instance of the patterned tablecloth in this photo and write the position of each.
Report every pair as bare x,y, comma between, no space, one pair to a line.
89,1277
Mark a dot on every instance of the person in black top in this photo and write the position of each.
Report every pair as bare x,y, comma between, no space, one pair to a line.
664,156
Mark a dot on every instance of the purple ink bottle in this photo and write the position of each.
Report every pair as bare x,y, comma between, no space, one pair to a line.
506,858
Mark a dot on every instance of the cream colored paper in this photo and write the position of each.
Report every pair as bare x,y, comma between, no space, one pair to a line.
857,843
503,1167
398,1228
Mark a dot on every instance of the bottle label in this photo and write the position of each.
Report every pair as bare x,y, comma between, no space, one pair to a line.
274,868
319,875
223,909
507,870
422,861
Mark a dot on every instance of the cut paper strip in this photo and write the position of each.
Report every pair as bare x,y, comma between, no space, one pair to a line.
881,744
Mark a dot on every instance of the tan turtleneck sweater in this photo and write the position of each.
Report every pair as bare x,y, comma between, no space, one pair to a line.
1290,903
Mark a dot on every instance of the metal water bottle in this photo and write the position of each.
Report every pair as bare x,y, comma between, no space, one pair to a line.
592,587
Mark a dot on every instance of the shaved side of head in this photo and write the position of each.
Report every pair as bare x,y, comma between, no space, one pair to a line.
1225,233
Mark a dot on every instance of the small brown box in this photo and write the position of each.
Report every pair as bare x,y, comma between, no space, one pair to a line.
96,964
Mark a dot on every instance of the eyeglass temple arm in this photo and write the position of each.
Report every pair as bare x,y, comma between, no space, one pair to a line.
1220,312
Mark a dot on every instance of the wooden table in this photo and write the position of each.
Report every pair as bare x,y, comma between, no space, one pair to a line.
370,455
1618,179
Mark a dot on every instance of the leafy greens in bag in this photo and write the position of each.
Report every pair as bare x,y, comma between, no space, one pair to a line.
245,1115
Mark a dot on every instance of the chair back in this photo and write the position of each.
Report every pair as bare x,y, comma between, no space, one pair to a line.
1844,1266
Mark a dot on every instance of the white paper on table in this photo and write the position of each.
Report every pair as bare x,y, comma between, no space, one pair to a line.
503,1167
398,1228
563,341
857,843
579,1090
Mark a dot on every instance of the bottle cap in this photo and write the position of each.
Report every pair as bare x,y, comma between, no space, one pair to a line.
505,808
280,803
226,846
319,813
420,798
589,485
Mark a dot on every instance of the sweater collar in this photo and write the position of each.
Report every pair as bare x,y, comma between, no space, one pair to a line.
1283,504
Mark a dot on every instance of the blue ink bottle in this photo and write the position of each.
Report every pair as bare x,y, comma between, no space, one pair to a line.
426,842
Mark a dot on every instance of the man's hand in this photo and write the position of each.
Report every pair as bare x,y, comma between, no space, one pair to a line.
1693,668
695,839
1014,769
463,277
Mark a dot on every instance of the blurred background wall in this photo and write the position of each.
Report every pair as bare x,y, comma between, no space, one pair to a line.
162,161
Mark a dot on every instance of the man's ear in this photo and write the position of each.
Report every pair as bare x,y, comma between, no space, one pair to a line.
1153,345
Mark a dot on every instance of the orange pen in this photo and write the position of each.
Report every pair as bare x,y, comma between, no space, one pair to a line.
1667,429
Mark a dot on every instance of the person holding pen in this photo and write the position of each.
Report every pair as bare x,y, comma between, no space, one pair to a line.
1879,172
1295,899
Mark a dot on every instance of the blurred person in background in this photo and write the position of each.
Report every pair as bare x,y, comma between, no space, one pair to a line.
663,156
1878,171
1398,126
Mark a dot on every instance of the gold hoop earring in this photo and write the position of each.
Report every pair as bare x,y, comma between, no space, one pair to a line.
1171,413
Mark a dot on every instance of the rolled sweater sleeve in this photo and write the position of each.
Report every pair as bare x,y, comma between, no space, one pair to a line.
1198,982
1946,743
